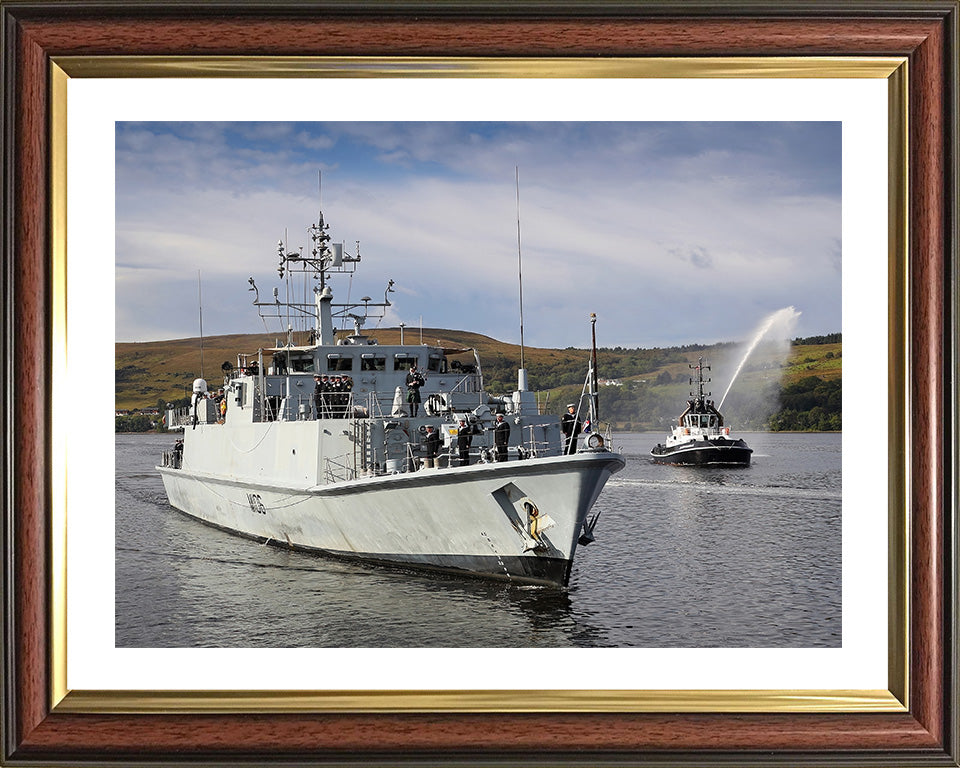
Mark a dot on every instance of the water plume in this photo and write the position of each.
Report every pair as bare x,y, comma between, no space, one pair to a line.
777,327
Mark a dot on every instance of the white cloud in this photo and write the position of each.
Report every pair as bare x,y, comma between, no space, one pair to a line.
674,248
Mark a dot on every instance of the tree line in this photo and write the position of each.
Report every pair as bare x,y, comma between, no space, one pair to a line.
811,404
142,422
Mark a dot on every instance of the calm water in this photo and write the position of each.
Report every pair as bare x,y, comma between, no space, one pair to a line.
709,557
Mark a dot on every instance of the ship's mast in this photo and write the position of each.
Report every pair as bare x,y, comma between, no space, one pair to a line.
699,369
594,394
324,255
324,259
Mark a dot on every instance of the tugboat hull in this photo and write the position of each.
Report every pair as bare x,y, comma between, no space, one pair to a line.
700,453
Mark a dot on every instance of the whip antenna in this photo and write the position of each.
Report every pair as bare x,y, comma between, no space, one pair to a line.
522,375
200,307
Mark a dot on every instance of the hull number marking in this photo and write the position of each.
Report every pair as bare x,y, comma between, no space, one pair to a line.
256,504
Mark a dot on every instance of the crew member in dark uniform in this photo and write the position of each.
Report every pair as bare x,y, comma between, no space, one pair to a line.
318,395
571,426
464,439
414,381
346,387
501,437
432,444
279,363
336,405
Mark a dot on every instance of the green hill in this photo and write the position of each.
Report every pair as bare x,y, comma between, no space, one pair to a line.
164,370
645,389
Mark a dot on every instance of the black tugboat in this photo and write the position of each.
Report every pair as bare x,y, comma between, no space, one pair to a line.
700,438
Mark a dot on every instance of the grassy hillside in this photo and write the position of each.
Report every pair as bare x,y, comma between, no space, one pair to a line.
810,377
164,370
651,384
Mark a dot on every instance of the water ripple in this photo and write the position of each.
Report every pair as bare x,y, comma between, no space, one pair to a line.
702,557
780,492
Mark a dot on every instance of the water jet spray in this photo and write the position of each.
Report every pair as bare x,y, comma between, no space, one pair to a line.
779,326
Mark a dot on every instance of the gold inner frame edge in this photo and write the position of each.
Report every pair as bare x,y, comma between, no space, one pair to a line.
893,69
427,66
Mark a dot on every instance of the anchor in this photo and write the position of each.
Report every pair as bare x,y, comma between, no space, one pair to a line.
587,536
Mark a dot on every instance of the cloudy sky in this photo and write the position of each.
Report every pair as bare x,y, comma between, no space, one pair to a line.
672,233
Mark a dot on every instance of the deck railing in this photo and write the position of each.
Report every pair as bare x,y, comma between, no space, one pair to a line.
171,459
337,469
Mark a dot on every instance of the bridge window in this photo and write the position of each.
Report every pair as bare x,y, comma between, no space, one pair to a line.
403,362
373,363
434,363
301,364
339,363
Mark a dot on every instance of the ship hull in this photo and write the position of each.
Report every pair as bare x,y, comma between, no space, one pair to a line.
704,452
469,520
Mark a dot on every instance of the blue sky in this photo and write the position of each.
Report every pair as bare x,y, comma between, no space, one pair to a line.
673,233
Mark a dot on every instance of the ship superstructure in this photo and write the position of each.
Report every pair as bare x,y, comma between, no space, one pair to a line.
382,452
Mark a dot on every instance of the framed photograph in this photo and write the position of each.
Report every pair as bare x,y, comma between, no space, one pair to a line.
78,82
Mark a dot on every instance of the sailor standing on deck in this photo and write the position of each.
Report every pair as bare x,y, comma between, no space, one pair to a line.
346,385
326,386
333,399
501,437
414,381
317,395
464,439
221,402
432,444
571,426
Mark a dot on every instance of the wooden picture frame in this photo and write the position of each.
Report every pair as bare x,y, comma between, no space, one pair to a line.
41,727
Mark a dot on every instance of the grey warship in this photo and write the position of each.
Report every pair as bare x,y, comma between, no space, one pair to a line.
357,471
